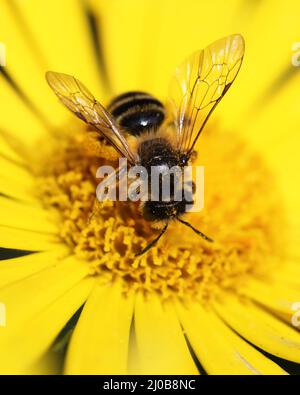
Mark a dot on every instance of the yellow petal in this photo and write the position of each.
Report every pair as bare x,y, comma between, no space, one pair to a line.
276,296
143,49
267,63
28,297
293,240
289,273
160,344
26,68
16,172
61,32
48,364
276,122
181,30
99,344
26,240
260,328
16,190
218,348
16,181
17,215
7,151
26,126
274,131
15,269
124,42
27,344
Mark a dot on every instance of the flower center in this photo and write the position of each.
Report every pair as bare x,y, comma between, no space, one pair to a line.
242,214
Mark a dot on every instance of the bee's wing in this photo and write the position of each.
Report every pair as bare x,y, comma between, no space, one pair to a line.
117,180
76,97
113,180
199,84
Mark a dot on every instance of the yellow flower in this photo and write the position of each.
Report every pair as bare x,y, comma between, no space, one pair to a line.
74,296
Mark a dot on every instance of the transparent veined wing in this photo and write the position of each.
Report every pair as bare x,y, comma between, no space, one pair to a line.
108,187
77,98
117,183
199,84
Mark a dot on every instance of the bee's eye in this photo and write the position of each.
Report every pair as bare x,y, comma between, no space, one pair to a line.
184,160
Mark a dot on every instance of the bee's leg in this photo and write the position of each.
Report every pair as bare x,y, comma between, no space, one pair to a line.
95,210
195,230
190,185
153,242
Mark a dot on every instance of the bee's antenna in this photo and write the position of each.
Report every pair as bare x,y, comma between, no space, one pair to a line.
195,230
153,242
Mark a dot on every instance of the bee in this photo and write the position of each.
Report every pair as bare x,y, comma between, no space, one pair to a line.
138,125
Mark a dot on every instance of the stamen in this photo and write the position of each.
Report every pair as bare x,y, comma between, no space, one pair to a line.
242,214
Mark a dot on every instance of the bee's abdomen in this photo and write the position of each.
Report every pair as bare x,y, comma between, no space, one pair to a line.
137,112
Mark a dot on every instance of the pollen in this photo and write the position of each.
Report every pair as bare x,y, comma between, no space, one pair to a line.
242,213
